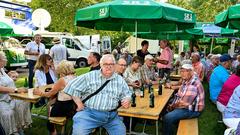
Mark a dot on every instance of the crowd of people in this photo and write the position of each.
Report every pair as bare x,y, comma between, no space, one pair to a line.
92,99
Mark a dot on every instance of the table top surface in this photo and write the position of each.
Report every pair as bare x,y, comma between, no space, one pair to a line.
27,97
142,109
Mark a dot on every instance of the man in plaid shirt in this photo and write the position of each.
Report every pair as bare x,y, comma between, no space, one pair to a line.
147,71
188,101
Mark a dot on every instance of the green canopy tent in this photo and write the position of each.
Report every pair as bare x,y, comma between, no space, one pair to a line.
135,16
140,15
229,18
5,29
202,31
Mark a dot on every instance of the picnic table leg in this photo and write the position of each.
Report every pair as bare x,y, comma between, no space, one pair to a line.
130,125
144,126
156,127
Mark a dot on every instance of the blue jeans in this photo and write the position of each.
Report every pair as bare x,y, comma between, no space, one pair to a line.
171,119
31,64
88,119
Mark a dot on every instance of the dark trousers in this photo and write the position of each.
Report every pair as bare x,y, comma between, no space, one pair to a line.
61,109
164,72
31,64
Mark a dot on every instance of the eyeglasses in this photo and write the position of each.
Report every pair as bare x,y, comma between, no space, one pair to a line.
122,65
50,58
108,64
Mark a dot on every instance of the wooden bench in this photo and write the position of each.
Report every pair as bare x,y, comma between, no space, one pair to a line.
59,121
188,127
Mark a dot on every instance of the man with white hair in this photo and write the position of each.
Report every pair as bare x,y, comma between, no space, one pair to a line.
188,101
147,71
99,110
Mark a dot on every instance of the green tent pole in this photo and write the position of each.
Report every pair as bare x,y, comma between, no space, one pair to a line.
136,34
211,44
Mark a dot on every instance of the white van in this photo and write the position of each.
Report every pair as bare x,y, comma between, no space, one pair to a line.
76,50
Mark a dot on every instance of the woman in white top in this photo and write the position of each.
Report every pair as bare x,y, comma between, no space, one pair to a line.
64,106
44,74
14,114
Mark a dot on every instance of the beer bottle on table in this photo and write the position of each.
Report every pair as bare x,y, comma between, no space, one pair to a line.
142,91
151,99
25,83
160,88
149,87
133,104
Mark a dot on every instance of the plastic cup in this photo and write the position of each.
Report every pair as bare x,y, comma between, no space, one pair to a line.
30,92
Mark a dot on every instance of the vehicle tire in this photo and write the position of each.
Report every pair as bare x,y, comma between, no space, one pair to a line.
81,63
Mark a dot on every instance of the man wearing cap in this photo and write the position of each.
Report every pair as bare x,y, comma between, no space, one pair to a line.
188,102
147,71
58,52
33,50
219,75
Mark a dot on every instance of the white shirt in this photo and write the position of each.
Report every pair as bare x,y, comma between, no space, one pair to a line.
41,79
33,47
58,52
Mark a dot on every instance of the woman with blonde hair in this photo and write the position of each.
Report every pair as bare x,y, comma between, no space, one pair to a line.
14,114
64,106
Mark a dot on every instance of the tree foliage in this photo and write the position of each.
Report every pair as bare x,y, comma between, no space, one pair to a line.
63,12
205,9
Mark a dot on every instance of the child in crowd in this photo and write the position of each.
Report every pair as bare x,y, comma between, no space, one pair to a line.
13,75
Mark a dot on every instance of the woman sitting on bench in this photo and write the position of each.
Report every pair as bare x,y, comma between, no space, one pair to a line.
64,104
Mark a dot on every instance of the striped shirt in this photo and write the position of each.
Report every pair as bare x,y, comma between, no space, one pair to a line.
107,99
191,93
148,73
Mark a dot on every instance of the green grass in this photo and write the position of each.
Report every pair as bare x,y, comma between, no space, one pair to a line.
208,124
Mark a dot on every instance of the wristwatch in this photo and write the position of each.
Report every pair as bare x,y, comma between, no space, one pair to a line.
15,90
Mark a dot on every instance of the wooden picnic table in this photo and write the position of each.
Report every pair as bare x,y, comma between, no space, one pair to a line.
27,97
142,109
174,76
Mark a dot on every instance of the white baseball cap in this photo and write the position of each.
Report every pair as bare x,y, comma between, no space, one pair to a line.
187,66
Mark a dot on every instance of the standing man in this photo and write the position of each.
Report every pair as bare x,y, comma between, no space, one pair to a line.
100,109
144,51
164,61
33,49
188,101
93,60
58,52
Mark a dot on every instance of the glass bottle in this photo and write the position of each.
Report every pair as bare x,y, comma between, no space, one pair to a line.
151,100
133,104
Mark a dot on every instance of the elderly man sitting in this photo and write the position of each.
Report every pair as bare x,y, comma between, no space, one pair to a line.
188,101
100,109
147,71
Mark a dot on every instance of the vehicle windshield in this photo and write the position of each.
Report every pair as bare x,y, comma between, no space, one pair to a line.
11,42
76,41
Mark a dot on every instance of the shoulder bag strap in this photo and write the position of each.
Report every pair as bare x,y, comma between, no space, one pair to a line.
96,92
